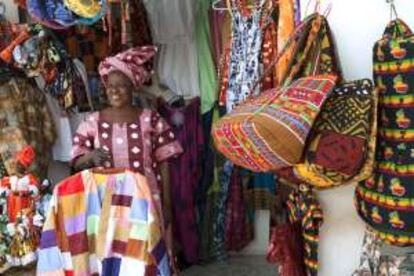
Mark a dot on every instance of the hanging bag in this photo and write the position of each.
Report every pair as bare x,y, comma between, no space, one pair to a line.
269,132
342,146
385,201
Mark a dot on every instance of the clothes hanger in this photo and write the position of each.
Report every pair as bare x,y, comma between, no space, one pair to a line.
216,6
393,10
316,8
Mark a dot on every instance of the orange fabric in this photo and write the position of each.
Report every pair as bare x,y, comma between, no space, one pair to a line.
285,29
6,54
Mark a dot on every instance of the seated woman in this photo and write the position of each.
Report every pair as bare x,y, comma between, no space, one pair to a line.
126,136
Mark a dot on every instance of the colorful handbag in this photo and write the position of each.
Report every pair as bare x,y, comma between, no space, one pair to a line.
269,133
339,147
386,200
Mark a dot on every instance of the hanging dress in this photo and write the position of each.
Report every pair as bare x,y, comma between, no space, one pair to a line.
185,172
244,68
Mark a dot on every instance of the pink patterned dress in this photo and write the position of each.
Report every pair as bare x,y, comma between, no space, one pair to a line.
139,146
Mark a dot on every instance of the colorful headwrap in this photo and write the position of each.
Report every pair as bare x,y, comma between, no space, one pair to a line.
132,62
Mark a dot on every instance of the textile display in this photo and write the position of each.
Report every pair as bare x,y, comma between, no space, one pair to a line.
304,208
206,66
185,173
127,25
213,247
312,52
246,45
261,191
89,45
376,262
339,147
25,120
269,132
41,56
286,249
103,223
384,201
269,44
63,14
239,217
172,26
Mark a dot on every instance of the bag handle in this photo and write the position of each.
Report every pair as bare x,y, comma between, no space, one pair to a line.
296,34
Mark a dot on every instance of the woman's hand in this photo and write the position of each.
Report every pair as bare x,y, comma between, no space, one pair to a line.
95,158
98,157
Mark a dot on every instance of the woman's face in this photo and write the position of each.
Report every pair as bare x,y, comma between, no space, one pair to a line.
119,90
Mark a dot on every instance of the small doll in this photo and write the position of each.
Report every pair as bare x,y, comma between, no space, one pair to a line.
23,225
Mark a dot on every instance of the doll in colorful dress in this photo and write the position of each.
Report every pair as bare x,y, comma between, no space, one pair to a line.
20,194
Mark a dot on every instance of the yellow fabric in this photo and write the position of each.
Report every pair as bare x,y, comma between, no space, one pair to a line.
84,8
309,174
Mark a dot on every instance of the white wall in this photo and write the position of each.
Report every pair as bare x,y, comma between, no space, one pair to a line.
356,25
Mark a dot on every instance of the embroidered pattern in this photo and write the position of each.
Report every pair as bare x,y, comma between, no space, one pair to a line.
270,132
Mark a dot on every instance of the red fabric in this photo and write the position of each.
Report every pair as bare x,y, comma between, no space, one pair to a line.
75,187
289,175
340,152
21,4
239,230
134,63
286,249
16,203
26,156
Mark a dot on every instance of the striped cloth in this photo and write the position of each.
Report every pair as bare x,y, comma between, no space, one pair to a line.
386,200
304,208
103,224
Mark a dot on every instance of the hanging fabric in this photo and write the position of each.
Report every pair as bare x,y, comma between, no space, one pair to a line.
286,249
239,217
185,172
173,28
207,72
25,120
304,208
376,261
245,52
